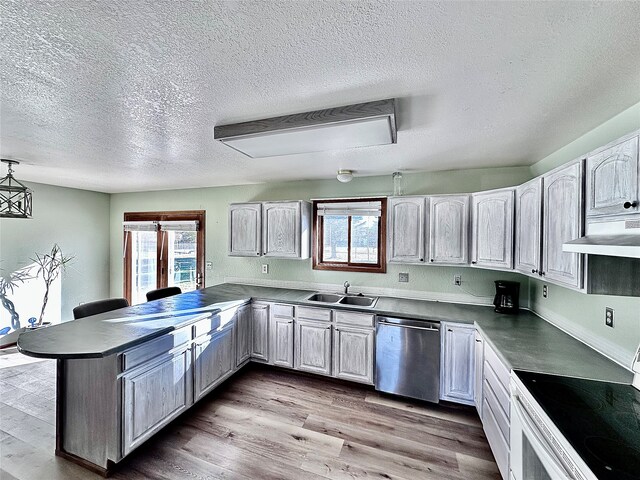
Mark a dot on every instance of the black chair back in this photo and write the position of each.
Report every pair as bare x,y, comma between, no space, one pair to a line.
163,293
99,306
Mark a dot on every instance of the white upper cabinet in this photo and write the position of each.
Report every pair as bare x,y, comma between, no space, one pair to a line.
448,229
563,207
281,232
613,179
245,229
492,229
271,229
528,227
406,237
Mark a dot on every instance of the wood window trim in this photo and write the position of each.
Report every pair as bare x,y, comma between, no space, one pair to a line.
318,264
198,215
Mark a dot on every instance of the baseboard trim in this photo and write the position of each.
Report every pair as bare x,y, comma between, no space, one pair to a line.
465,298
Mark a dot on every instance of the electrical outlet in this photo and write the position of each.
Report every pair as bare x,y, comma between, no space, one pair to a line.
209,265
608,317
265,268
545,291
403,277
457,280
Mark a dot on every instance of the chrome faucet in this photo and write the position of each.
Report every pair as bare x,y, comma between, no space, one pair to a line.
346,287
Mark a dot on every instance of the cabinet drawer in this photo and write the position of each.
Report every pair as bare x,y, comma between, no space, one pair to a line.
500,369
285,311
153,348
214,322
309,313
498,444
350,318
500,392
497,410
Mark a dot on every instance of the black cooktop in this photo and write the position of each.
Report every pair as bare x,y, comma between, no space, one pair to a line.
601,420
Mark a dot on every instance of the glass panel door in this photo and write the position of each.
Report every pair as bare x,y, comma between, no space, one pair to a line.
144,271
182,260
163,249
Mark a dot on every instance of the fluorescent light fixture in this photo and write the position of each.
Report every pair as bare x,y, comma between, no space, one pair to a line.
361,125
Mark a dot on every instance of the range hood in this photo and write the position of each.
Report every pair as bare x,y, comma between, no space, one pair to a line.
617,238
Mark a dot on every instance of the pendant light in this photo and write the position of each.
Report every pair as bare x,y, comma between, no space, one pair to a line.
15,198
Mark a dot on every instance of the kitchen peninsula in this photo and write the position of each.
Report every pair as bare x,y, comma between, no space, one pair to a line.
125,374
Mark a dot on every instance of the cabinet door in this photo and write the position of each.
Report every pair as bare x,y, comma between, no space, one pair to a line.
562,222
353,354
492,229
243,335
529,227
281,232
260,332
245,229
458,363
282,341
613,179
448,229
153,395
313,346
406,238
215,360
478,375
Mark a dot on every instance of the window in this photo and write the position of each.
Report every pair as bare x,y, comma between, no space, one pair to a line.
350,235
162,249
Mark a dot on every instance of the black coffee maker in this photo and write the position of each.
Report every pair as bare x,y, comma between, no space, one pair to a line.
507,296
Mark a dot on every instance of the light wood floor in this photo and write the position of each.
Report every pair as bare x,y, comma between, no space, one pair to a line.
262,424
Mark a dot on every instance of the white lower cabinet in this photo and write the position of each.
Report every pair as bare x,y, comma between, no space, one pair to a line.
282,341
457,363
153,395
353,354
243,335
313,346
215,360
260,331
478,372
496,408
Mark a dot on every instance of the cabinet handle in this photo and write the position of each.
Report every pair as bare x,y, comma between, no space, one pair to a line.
533,270
542,273
431,260
258,253
628,205
449,330
473,262
422,259
478,340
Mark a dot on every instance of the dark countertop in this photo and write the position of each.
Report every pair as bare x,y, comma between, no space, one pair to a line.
524,341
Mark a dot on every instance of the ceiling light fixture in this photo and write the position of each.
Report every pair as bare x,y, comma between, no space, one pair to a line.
345,176
15,198
360,125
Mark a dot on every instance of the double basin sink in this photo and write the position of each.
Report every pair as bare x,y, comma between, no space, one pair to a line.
354,300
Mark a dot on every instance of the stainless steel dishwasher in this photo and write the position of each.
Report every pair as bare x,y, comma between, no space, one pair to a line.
408,358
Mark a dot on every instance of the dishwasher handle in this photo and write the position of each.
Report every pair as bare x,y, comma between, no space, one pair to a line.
430,328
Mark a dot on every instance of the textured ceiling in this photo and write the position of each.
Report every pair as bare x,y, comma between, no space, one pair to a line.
123,95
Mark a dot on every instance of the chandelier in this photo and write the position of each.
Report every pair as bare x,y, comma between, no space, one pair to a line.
15,198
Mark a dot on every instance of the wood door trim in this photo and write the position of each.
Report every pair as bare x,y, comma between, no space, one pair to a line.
199,215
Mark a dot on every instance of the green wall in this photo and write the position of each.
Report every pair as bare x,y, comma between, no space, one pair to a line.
580,314
78,220
429,281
